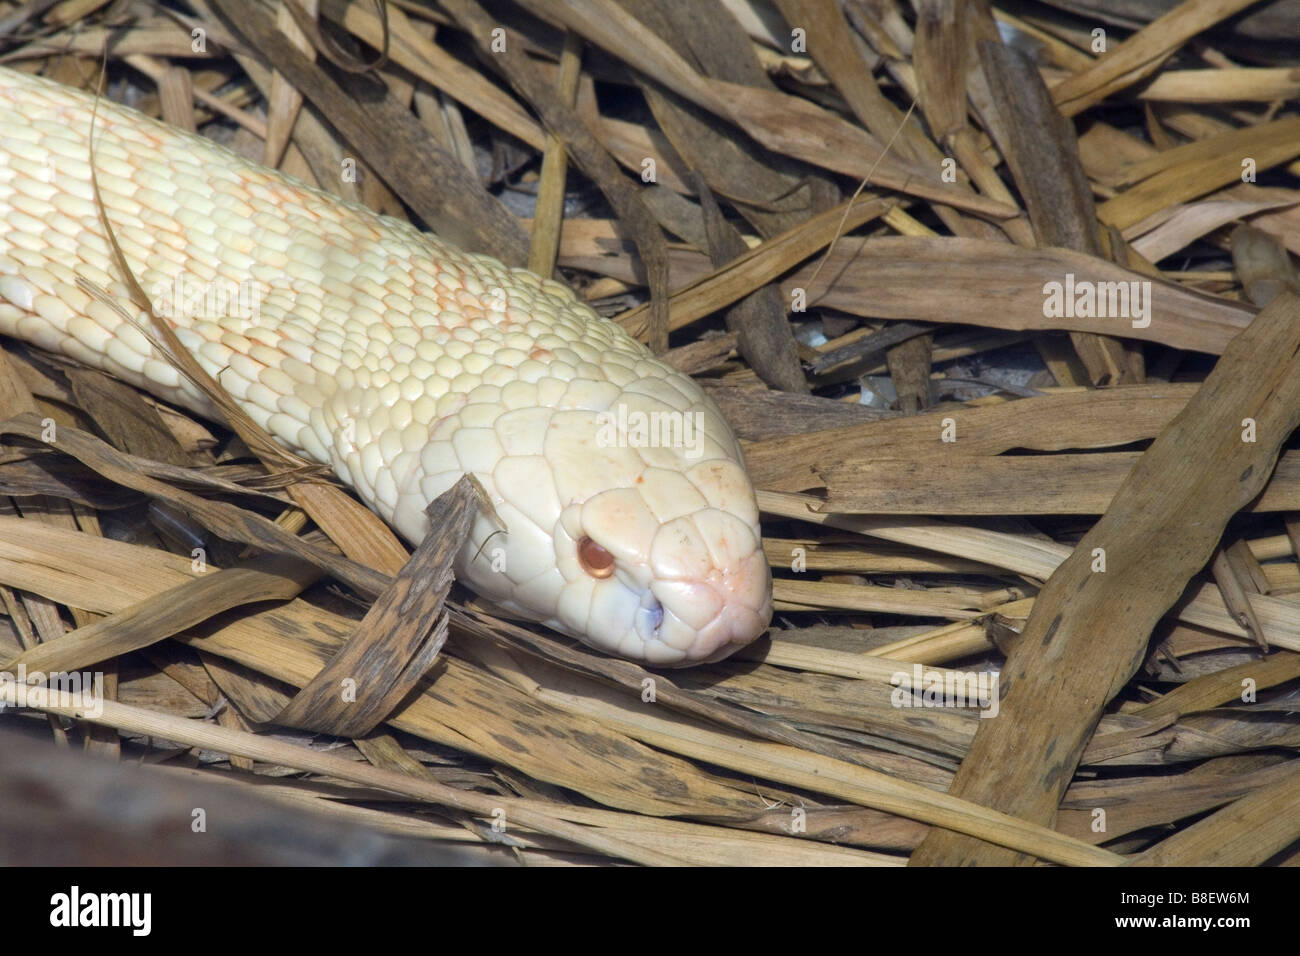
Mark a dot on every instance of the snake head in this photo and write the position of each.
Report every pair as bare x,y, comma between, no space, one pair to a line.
642,543
623,513
669,570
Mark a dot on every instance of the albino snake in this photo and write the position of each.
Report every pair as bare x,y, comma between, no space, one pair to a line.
399,361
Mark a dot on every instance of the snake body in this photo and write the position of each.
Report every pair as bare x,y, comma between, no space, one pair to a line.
398,360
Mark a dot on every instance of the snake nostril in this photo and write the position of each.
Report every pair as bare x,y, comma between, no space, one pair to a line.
649,618
656,617
594,559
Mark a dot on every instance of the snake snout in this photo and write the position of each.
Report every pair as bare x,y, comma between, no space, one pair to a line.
667,590
709,579
727,608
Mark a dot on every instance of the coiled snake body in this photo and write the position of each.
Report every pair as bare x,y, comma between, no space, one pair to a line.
402,363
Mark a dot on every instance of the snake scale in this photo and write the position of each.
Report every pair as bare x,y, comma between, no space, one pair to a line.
399,361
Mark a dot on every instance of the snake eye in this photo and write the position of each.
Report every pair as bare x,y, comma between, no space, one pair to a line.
594,559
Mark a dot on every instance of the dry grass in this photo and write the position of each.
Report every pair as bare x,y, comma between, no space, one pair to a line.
1118,537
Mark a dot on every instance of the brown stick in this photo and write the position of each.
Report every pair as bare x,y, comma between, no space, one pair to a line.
1089,629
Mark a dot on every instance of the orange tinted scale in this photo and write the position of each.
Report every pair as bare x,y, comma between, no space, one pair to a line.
594,559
